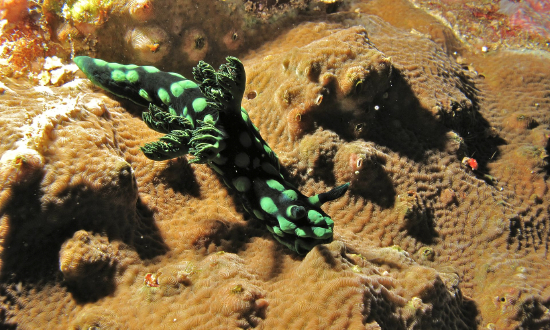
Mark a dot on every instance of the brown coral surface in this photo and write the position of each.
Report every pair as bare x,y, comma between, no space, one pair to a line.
93,235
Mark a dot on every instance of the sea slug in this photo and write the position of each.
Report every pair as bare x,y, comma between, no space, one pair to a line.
206,120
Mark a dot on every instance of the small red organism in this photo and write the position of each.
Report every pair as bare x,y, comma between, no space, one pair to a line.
471,162
151,280
154,47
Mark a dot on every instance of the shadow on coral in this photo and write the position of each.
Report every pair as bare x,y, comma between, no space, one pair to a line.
94,287
326,253
147,239
416,131
482,141
421,225
37,231
226,236
30,248
403,125
234,237
5,310
374,184
179,176
397,120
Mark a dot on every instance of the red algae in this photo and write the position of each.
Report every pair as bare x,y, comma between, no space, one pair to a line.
493,24
530,15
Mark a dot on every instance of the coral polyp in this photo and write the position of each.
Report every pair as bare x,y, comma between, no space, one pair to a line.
149,44
233,40
195,45
141,10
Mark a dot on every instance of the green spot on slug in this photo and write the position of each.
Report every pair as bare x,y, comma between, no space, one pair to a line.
118,75
267,205
301,232
258,214
176,89
286,225
291,194
244,114
314,232
150,69
199,104
242,160
188,84
242,183
184,112
258,143
273,184
267,149
100,62
219,159
115,66
315,217
245,140
209,119
143,93
314,200
269,169
256,128
216,168
188,117
132,76
176,75
277,231
320,232
163,96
